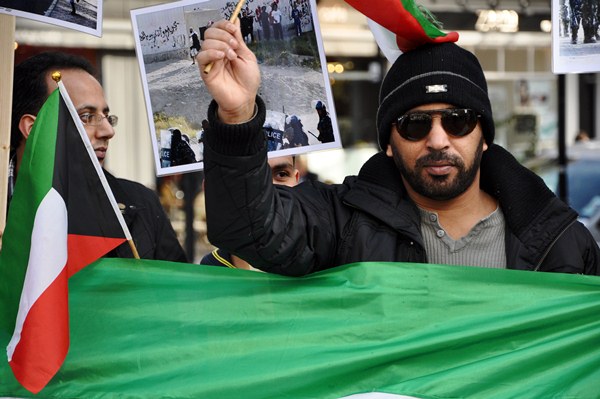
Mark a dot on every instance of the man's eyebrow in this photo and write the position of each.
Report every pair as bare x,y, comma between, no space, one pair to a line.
87,108
283,165
92,108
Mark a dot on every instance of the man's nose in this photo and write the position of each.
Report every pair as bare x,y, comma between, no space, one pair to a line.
105,129
437,137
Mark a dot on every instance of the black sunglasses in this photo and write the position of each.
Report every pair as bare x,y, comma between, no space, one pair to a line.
457,122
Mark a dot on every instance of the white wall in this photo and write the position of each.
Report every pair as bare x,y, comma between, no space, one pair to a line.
162,31
130,151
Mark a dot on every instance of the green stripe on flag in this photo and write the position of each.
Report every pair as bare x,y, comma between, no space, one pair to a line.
29,192
142,329
430,29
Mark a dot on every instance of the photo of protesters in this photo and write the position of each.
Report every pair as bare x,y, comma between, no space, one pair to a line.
282,35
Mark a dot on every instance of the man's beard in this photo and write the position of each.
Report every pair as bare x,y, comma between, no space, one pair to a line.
439,187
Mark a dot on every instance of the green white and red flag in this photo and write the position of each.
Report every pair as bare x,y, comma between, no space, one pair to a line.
400,25
62,217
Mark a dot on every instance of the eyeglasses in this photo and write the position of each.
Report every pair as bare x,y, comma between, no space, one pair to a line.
457,122
96,119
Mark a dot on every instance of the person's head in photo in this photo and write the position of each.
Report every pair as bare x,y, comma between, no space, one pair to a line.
175,137
321,108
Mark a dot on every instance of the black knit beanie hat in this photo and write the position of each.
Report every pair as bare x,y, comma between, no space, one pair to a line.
434,73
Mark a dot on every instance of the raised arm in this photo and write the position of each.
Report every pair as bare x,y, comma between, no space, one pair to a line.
234,78
271,228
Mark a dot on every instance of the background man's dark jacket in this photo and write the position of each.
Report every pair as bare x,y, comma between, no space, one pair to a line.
148,223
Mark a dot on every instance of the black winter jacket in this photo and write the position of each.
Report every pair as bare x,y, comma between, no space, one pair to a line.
147,221
369,217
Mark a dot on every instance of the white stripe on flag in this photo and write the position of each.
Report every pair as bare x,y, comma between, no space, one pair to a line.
386,40
378,395
47,257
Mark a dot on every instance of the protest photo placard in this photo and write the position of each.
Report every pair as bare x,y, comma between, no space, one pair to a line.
84,16
286,39
575,38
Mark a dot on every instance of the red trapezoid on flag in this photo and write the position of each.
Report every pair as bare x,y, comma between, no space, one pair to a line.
86,249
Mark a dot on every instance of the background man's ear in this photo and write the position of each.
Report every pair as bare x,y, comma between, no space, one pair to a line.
25,124
388,151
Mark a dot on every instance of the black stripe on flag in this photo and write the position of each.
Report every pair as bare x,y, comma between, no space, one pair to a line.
76,180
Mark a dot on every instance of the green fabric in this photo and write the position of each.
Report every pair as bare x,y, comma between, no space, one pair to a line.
150,329
428,26
34,182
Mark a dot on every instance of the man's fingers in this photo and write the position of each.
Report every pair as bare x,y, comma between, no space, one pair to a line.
210,55
222,38
229,34
223,31
237,31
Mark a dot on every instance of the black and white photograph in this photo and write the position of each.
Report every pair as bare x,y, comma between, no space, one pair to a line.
284,35
82,15
575,36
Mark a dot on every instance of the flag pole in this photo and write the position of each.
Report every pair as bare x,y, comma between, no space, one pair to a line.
232,19
7,48
133,248
56,76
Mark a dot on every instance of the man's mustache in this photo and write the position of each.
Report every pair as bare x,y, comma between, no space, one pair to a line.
437,157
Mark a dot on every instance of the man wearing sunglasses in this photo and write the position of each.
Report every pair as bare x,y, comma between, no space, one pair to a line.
149,225
439,192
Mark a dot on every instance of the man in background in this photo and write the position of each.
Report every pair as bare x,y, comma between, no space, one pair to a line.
247,24
73,11
284,173
265,23
324,126
150,228
276,22
195,47
297,17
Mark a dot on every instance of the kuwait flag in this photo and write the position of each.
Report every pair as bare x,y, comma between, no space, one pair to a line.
60,220
400,25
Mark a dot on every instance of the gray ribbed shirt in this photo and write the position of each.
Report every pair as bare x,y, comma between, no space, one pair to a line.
483,246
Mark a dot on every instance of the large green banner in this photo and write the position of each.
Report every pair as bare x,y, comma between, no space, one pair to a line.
150,329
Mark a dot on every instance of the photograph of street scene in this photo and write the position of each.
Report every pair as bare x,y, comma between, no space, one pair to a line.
285,38
82,15
575,36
